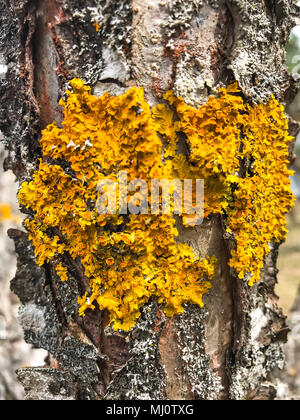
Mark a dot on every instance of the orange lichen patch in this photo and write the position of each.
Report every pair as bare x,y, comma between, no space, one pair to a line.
263,197
62,272
213,136
130,259
6,214
224,136
97,26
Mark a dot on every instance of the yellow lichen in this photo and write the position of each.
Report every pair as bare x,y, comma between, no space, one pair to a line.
242,153
62,272
263,195
131,258
97,26
5,212
127,259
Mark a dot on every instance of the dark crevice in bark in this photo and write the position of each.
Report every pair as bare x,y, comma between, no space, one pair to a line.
269,6
55,294
28,38
45,61
226,348
225,35
113,81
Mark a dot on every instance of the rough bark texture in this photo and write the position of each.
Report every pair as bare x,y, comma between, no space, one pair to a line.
229,349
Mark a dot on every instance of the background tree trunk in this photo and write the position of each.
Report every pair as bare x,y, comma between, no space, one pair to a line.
227,350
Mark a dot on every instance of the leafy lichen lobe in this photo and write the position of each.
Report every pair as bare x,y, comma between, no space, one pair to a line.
129,259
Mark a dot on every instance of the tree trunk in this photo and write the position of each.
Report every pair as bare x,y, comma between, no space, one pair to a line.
229,349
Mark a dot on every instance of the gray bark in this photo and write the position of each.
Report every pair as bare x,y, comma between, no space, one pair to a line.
227,350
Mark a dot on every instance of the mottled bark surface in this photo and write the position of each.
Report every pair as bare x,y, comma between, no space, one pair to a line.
230,348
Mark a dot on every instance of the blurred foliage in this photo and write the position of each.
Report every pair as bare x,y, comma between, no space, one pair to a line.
293,64
293,54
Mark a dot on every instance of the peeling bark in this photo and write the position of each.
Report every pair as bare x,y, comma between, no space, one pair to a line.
226,351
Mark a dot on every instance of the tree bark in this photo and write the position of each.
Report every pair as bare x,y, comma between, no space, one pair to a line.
229,349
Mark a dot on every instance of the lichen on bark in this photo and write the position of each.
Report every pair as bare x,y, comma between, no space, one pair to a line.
219,42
